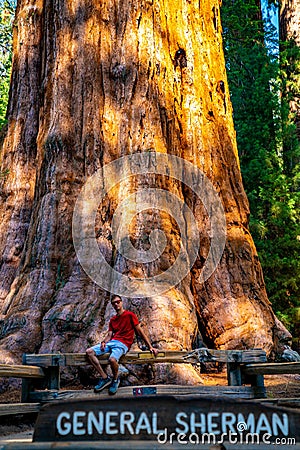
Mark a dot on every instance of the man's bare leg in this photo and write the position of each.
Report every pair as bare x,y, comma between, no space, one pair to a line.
91,355
114,367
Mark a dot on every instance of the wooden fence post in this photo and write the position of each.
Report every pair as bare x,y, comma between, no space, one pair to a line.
53,377
234,375
27,384
51,381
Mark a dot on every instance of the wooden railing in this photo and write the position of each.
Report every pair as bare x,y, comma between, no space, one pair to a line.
21,371
272,368
24,372
41,372
245,373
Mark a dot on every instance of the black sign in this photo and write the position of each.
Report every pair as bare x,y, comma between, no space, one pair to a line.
166,419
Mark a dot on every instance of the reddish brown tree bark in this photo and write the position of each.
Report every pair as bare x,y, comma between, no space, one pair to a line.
94,81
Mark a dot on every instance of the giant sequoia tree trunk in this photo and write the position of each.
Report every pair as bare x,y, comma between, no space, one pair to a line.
93,81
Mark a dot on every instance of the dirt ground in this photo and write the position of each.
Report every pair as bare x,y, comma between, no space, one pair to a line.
278,386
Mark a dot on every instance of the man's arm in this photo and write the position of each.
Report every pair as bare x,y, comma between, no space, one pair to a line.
145,338
106,339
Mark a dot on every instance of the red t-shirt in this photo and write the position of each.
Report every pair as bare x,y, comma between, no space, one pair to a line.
123,327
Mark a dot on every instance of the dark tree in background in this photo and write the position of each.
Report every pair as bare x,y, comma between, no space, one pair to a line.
7,12
290,72
265,97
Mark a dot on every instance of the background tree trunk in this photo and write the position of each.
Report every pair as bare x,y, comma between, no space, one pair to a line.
93,81
290,20
290,37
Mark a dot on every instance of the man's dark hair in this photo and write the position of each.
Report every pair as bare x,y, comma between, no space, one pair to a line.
115,296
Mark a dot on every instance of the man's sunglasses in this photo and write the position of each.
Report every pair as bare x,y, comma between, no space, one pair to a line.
116,302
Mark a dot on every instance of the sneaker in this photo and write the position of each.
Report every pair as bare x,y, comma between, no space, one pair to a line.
103,382
114,387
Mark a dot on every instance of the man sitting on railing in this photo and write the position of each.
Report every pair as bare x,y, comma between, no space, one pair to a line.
117,342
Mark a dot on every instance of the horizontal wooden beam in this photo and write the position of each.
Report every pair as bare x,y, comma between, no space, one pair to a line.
9,409
21,371
79,359
272,368
244,392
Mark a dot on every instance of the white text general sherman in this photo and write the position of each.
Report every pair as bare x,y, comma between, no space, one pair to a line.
80,423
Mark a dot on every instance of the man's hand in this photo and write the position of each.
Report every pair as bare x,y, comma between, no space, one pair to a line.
145,338
154,350
103,346
107,338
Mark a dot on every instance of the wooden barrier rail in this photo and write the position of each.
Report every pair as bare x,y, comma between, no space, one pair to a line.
272,368
51,364
238,392
41,372
11,409
21,371
24,372
79,359
41,376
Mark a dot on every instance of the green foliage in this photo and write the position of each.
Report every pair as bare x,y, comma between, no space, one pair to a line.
261,90
290,90
7,10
